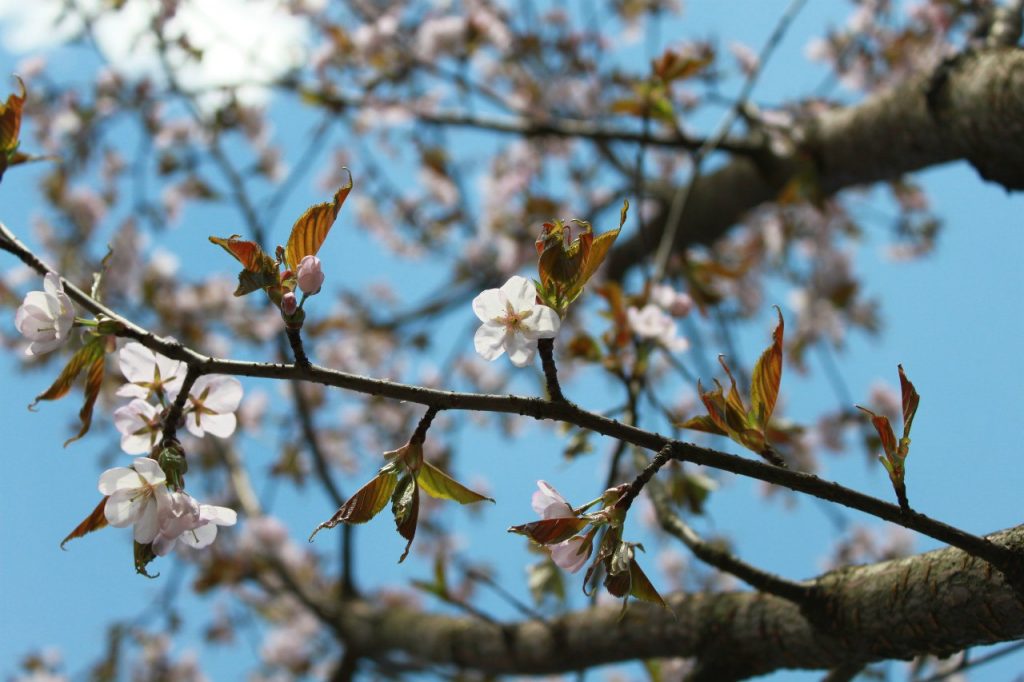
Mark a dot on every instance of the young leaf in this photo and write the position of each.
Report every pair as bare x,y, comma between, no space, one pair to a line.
440,485
311,228
640,585
248,253
551,531
94,521
764,387
405,505
365,504
885,432
910,401
10,121
90,359
704,424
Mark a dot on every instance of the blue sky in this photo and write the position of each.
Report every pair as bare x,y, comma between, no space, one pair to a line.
953,320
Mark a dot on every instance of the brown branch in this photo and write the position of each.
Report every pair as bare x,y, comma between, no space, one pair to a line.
1001,557
979,118
939,601
546,348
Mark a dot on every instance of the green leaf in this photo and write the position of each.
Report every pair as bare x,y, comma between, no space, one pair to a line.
89,359
94,521
767,375
440,485
640,585
551,531
311,228
405,505
365,503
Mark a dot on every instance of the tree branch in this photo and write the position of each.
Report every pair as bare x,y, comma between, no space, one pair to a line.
977,115
940,601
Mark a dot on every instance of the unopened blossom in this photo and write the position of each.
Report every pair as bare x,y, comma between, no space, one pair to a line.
180,517
148,373
45,317
549,503
309,275
513,321
651,322
569,555
289,304
211,405
140,425
134,496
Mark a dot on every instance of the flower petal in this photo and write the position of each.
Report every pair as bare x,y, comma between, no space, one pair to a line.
200,537
489,304
148,523
222,516
119,508
220,425
489,341
520,292
520,349
52,284
118,478
542,324
223,393
149,470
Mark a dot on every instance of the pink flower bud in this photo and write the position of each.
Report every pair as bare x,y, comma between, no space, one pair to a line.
309,275
289,304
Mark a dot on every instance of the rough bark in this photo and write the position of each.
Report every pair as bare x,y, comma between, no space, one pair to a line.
939,602
971,108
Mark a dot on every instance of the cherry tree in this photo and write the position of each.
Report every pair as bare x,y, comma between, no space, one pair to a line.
580,218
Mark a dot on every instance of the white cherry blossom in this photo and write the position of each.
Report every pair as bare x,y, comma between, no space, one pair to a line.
567,555
182,519
549,503
45,317
653,323
148,372
211,405
134,497
513,321
140,425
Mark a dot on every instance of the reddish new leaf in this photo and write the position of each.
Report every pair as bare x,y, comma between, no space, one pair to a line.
93,382
764,386
10,121
551,531
704,424
440,485
405,505
910,401
248,253
311,228
94,521
89,359
365,504
884,430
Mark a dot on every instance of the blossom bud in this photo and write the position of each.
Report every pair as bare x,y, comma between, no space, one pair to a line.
309,275
289,304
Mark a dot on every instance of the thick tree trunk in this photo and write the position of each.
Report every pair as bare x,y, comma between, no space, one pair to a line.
939,602
969,109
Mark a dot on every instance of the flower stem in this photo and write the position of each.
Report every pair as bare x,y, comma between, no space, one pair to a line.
547,361
295,340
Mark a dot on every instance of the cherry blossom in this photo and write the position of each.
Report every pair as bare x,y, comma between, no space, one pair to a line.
309,275
45,317
569,555
212,404
182,518
651,322
289,304
148,373
140,425
549,503
513,321
675,303
134,496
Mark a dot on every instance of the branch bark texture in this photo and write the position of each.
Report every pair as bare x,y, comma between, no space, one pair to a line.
970,108
941,601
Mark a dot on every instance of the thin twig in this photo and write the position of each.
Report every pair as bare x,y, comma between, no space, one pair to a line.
546,348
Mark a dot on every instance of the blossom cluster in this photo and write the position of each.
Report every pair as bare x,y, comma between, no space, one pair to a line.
152,378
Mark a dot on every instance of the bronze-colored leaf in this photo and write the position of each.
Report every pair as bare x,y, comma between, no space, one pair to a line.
438,484
365,503
640,585
551,531
885,432
910,401
764,386
93,383
405,505
311,228
248,253
703,423
10,121
94,521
